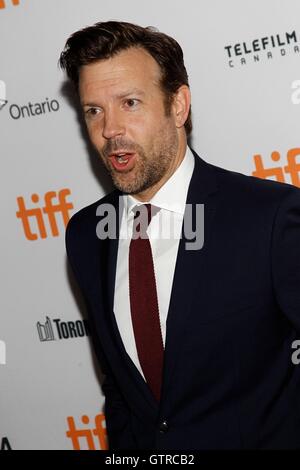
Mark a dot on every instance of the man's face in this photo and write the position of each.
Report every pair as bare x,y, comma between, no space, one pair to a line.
126,118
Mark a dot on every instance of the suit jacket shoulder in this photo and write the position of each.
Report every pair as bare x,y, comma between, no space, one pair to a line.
245,186
80,238
251,197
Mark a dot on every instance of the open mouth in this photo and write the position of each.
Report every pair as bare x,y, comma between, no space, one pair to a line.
122,160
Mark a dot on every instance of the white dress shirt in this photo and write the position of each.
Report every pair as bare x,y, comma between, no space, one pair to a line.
164,234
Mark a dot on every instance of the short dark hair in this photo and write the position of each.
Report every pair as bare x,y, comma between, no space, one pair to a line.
106,39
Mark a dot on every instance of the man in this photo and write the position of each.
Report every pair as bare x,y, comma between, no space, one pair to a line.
195,341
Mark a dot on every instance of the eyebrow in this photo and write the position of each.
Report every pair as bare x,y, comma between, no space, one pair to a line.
132,91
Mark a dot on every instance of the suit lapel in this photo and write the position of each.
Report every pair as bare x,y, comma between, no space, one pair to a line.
201,190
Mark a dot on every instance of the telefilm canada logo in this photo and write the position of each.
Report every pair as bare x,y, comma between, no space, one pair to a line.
56,329
262,49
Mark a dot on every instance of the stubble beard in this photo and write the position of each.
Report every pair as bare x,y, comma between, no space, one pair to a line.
150,166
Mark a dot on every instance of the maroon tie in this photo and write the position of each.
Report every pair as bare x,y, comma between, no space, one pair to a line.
143,300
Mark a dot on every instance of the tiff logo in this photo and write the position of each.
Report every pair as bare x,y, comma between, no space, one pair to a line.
50,209
3,100
2,353
14,2
89,437
278,172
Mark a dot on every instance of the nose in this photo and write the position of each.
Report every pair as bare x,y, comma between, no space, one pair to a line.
113,125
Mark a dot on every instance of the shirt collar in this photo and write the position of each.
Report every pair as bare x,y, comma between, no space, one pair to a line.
172,195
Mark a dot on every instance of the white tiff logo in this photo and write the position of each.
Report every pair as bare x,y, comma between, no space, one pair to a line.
2,353
295,97
3,99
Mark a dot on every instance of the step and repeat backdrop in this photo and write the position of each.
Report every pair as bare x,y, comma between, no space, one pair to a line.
243,61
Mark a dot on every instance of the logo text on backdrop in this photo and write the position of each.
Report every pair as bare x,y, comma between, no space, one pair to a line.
279,173
5,3
263,48
89,437
49,209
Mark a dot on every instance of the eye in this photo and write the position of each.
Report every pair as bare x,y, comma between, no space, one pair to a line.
131,102
91,112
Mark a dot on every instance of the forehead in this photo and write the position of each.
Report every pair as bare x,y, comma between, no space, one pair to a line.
133,67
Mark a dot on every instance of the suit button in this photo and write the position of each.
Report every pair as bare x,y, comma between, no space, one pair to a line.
163,427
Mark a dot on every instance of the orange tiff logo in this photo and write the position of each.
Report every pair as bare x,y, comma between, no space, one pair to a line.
3,3
50,209
279,172
89,437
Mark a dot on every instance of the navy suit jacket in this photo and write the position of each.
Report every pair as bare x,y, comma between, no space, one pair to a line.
229,381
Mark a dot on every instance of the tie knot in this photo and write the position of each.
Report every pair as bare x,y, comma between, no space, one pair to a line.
143,214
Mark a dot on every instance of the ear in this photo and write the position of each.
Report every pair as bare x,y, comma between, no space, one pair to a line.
181,105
